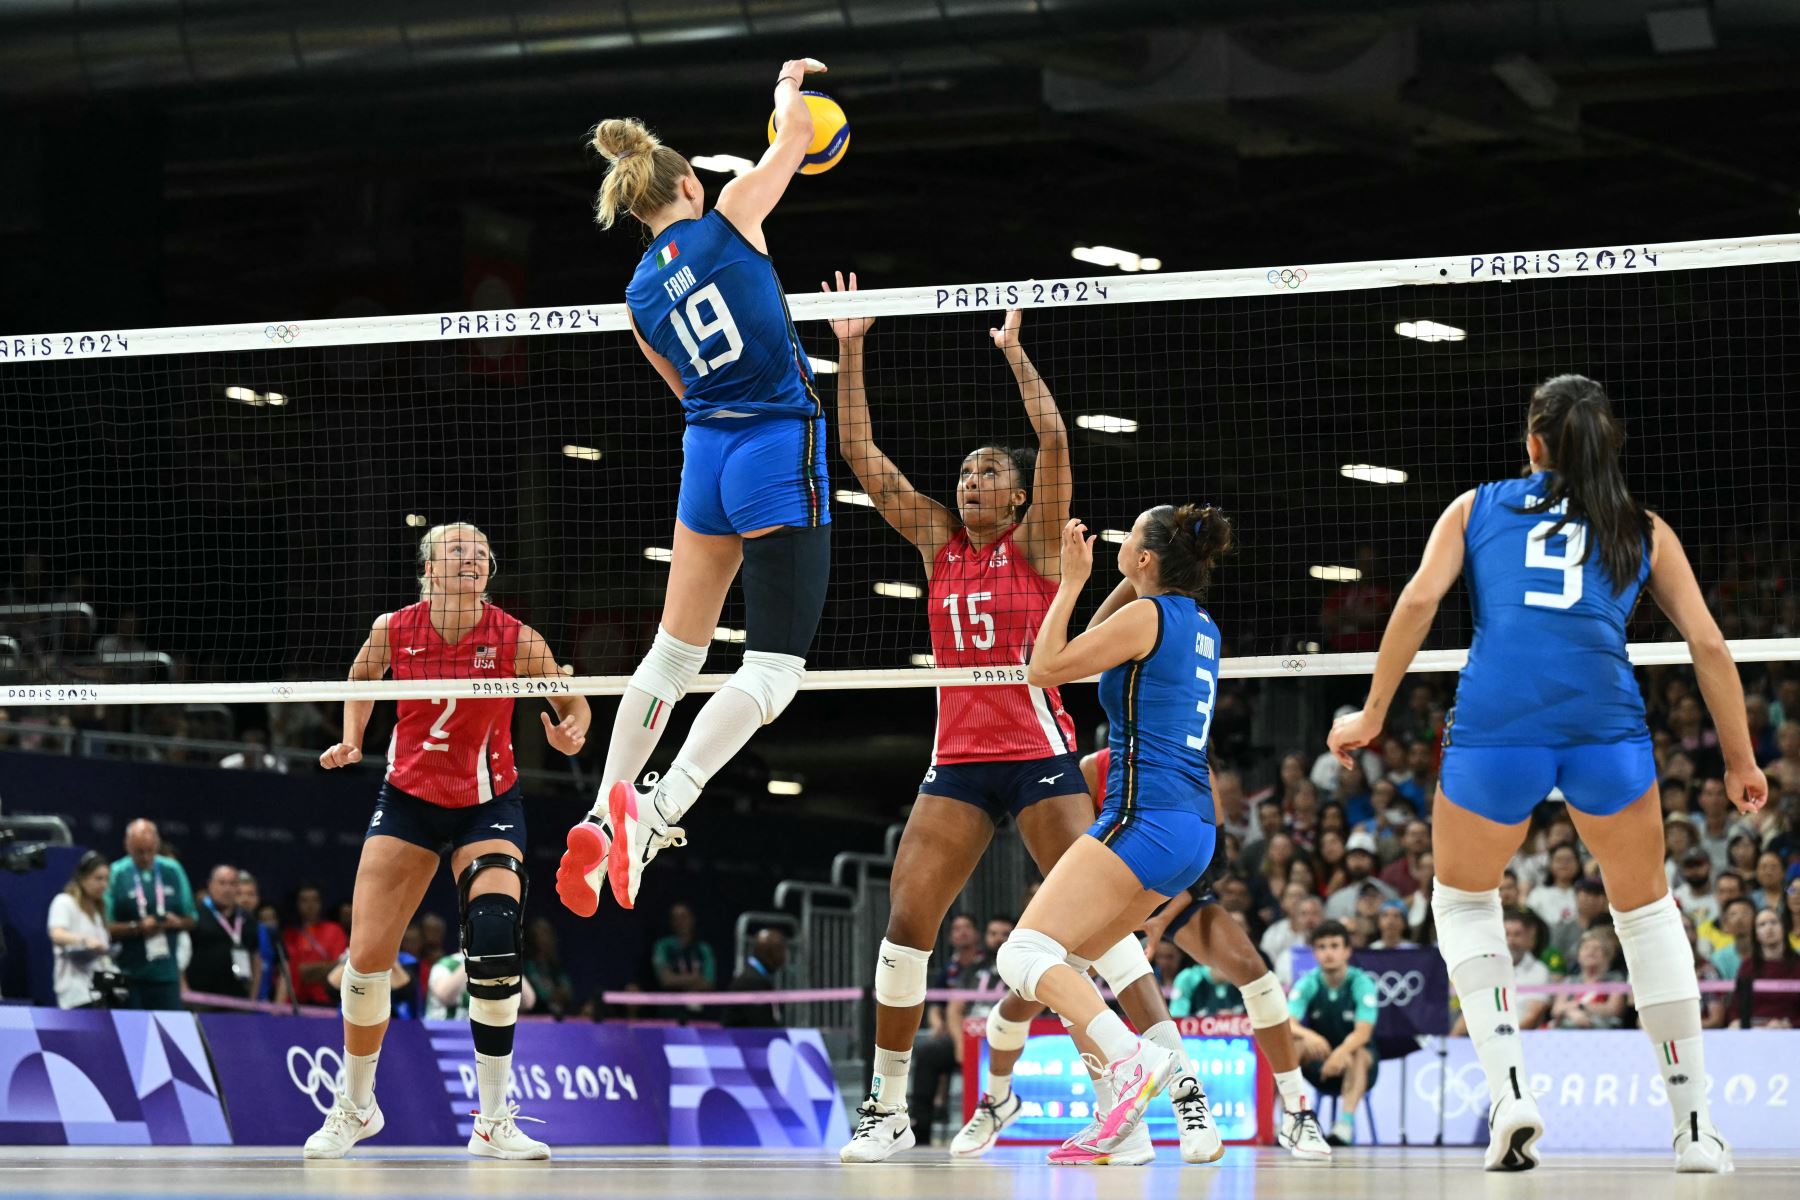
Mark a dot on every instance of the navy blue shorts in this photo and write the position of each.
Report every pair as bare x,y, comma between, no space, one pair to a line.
1002,789
1168,849
742,475
438,829
1504,783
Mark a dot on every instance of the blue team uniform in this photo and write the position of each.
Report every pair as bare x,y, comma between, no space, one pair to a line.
1547,698
1158,816
753,454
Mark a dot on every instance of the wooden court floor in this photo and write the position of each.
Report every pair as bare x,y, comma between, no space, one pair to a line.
613,1174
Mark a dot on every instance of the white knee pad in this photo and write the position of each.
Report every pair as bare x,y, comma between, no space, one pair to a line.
1656,953
1003,1034
669,669
499,1013
769,679
900,975
1265,1002
1082,965
365,996
1470,926
1024,959
1123,965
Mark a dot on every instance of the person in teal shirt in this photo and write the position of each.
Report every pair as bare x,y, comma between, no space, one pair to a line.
149,904
1333,1008
1198,994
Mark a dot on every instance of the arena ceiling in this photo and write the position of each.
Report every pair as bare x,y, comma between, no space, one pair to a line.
172,161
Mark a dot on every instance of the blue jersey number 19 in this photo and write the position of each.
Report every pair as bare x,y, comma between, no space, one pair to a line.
703,327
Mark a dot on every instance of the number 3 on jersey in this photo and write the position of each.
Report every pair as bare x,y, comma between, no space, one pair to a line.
1203,646
704,327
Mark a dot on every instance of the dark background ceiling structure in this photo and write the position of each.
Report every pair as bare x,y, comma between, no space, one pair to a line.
175,161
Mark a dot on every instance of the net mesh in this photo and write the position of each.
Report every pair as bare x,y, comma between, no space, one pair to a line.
236,516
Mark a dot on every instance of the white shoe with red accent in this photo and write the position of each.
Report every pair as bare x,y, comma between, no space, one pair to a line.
638,836
345,1125
499,1136
581,875
983,1129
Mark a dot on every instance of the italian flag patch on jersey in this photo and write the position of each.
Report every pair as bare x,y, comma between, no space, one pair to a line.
666,255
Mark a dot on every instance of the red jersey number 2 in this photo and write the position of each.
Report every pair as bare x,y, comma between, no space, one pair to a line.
438,729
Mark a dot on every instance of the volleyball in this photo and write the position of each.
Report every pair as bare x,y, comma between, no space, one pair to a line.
831,134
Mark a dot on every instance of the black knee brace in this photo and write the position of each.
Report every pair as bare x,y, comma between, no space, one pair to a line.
493,930
785,573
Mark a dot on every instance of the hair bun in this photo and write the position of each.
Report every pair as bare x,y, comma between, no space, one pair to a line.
622,137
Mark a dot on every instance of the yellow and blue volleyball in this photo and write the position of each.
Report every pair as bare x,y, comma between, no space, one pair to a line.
831,134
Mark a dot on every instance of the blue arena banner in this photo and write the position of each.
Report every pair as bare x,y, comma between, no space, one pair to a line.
88,1077
748,1087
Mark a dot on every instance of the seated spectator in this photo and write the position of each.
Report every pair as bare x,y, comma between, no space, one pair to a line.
1199,993
1762,730
1334,1009
1330,859
227,952
1784,772
1696,896
1359,867
1528,971
1309,915
1391,925
149,904
682,962
1532,862
1396,762
1509,892
1591,910
1728,887
1679,839
1718,824
543,966
1676,800
1771,881
768,954
1421,761
1276,860
1592,1010
1234,810
1687,721
77,926
1554,898
313,945
1332,819
1281,933
1353,793
447,991
1771,957
1270,820
1414,842
1303,816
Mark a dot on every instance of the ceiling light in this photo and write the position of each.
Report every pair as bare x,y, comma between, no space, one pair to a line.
1113,535
416,520
726,634
1430,331
274,398
847,496
659,554
924,660
786,787
1335,574
1106,423
1371,474
722,163
584,453
1112,256
822,366
899,591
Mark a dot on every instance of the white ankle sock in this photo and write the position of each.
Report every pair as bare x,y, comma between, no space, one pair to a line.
1164,1034
1111,1035
359,1077
492,1073
661,679
728,721
1292,1086
999,1087
887,1085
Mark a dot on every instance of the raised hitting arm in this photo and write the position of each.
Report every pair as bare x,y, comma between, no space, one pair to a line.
1053,480
749,198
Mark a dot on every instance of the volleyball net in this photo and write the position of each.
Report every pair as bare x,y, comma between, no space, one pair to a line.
218,513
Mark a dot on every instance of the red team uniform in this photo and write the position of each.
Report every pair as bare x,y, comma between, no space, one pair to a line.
456,752
1000,747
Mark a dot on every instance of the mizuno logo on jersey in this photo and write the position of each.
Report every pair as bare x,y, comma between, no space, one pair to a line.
413,649
1053,778
502,828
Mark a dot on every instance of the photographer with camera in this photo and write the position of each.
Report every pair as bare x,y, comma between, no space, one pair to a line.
78,931
148,902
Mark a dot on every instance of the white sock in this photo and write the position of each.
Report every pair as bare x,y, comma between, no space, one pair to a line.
1109,1033
887,1085
359,1077
1674,1029
1472,940
1292,1086
1657,960
492,1072
643,715
1164,1034
999,1087
1104,1096
727,722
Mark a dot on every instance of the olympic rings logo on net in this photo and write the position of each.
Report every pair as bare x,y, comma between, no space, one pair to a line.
1463,1092
281,689
1293,664
1286,277
281,333
1398,988
318,1075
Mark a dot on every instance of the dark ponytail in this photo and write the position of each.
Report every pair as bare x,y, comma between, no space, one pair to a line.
1187,541
1574,418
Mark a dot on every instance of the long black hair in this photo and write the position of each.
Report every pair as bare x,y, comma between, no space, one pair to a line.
1574,418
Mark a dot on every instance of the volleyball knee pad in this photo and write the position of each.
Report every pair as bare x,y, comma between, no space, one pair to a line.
493,931
1265,1002
1657,955
1026,957
1123,965
669,669
1469,926
900,975
497,1014
364,996
784,577
769,679
1082,965
1003,1034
